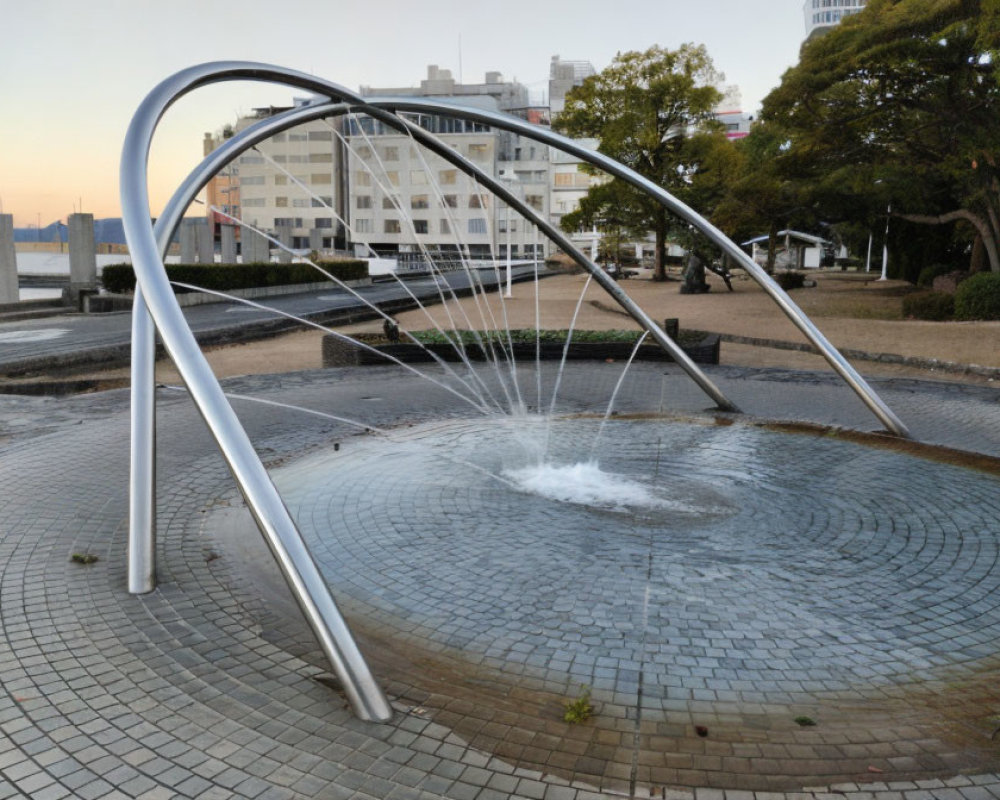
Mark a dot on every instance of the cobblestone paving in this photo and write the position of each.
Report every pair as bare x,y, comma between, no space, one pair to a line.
207,687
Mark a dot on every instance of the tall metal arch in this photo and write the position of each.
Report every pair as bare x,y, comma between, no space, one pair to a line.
155,305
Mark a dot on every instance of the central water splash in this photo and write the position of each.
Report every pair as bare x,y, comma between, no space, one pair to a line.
585,483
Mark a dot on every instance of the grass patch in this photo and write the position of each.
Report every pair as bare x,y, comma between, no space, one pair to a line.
579,710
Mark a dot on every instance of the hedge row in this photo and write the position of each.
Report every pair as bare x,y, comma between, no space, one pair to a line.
935,306
120,278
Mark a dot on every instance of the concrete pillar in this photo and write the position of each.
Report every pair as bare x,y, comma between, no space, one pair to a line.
284,236
203,242
316,239
256,248
82,252
187,241
9,292
227,235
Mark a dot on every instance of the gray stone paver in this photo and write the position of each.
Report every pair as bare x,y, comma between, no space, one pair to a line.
106,695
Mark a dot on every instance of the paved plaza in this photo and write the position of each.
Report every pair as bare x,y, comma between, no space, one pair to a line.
776,575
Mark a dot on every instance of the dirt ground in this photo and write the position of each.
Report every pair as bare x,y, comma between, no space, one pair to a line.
852,310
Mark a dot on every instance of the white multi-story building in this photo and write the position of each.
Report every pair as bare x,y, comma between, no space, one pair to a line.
821,15
270,182
352,183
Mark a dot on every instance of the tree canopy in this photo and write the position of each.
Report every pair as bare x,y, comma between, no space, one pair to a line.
899,105
649,110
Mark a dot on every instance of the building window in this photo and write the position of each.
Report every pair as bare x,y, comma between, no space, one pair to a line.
502,226
479,152
418,177
391,154
363,201
320,136
252,180
321,178
253,202
420,201
362,178
301,202
477,201
477,225
298,137
451,200
448,177
363,151
392,177
388,202
391,226
444,227
564,178
363,225
280,180
251,159
281,202
323,222
321,158
420,226
535,201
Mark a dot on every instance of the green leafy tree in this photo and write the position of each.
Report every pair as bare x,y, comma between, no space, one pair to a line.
764,190
648,111
899,106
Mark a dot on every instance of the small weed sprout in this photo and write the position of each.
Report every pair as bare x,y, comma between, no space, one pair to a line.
579,710
805,722
83,558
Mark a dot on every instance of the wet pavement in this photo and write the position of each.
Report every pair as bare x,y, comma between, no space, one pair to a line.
805,575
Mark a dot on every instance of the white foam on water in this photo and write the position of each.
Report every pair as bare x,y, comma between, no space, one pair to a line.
584,483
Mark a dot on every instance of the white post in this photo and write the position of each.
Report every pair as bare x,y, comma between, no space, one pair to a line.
885,244
868,261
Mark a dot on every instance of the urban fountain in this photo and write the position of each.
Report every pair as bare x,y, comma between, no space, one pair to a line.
695,532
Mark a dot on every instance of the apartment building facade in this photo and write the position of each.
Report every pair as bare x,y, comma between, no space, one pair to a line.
350,183
821,15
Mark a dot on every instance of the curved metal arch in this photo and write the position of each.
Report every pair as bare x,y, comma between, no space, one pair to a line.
270,513
515,125
155,304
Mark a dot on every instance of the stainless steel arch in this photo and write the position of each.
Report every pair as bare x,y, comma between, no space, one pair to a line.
270,513
155,305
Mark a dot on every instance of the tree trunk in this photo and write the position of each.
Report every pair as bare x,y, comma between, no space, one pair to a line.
660,271
772,248
978,261
981,225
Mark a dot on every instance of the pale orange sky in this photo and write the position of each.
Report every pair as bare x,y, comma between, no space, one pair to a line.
72,74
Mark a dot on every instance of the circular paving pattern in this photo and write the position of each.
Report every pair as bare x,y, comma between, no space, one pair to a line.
767,567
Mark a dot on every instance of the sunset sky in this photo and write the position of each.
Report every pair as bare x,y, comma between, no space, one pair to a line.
72,74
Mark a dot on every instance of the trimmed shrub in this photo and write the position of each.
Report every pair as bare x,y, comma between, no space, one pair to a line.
936,306
790,280
927,275
979,297
120,278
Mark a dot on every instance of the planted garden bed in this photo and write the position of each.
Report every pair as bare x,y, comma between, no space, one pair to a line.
585,345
